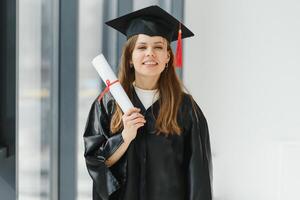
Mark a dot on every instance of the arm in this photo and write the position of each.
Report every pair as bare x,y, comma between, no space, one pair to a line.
132,121
117,154
103,149
98,146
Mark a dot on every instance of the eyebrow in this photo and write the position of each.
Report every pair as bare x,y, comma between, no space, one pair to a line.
154,42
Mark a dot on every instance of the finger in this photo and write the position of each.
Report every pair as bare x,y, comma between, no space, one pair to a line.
135,115
134,121
137,120
139,125
131,110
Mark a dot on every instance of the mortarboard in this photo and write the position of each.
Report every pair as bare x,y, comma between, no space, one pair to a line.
153,21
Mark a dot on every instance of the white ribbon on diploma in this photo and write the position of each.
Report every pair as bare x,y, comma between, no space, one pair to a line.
106,73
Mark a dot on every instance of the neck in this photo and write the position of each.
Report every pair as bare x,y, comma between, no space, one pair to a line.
146,83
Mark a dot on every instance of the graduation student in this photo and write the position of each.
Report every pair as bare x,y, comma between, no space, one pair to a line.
160,149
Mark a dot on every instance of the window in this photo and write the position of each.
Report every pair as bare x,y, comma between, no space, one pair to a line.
37,99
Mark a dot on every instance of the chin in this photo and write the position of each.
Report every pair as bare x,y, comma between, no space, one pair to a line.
150,74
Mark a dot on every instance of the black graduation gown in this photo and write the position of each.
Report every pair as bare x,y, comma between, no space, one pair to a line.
154,167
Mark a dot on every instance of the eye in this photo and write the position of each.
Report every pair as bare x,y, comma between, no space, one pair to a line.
158,47
141,47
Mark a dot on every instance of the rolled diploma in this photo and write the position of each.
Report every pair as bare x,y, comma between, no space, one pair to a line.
106,73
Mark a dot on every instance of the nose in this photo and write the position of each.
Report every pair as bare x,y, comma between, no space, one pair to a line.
149,52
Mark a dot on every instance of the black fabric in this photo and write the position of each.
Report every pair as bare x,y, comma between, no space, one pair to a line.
152,21
154,167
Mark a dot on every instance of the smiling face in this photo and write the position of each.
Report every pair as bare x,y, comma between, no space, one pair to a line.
150,56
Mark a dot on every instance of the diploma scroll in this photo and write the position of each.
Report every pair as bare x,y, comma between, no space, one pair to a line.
107,75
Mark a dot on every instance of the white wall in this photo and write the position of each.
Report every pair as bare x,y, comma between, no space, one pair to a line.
243,68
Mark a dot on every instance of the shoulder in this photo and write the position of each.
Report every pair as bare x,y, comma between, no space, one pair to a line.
190,109
188,102
187,99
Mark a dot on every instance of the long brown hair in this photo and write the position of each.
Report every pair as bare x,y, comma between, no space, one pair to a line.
169,88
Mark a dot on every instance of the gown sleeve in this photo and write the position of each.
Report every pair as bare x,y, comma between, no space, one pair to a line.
199,160
99,145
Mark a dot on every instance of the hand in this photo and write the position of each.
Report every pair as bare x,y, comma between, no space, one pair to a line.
132,121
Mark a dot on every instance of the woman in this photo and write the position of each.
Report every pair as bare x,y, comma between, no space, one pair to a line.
160,149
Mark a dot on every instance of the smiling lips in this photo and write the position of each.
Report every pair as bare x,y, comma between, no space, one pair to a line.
150,63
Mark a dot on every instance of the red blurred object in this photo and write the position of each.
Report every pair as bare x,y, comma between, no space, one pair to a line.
178,58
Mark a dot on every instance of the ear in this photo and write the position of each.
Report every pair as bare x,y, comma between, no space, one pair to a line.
168,57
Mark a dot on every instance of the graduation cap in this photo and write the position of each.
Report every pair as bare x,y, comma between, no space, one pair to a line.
153,21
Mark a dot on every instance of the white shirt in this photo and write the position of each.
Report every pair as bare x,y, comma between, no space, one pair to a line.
147,97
